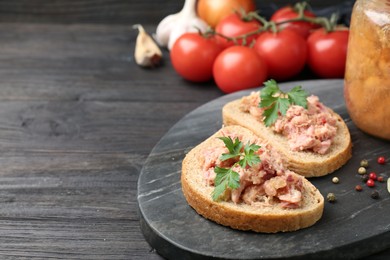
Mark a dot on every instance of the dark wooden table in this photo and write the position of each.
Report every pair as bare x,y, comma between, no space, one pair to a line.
78,119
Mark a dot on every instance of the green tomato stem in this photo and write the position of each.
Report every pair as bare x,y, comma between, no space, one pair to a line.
329,25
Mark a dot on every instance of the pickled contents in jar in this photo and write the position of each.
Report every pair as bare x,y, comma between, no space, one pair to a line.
367,78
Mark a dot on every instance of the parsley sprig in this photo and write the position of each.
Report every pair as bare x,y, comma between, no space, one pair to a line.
276,101
227,177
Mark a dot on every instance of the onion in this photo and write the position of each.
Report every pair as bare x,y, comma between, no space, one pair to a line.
212,11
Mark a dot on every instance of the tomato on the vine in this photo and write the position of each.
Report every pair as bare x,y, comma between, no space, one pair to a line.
237,68
193,56
212,11
327,52
285,53
234,25
288,12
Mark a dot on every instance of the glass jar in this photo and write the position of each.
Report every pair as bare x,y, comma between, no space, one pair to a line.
367,75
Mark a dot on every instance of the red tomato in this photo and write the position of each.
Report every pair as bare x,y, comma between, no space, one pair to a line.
285,53
327,52
287,13
237,68
193,55
212,11
233,26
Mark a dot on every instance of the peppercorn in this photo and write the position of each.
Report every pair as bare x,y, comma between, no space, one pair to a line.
365,178
372,176
375,194
364,163
335,180
331,197
358,187
381,160
370,183
380,179
362,170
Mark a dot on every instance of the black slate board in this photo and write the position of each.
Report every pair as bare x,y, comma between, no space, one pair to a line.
355,226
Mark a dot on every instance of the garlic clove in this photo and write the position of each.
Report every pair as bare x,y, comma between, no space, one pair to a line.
174,25
164,29
195,25
147,53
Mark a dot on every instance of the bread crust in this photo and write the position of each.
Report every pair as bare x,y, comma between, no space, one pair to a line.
267,219
305,163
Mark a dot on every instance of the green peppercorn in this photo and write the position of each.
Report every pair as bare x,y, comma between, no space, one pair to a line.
364,163
335,180
375,194
365,178
362,170
331,197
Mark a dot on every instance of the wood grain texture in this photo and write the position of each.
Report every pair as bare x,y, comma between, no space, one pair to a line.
78,118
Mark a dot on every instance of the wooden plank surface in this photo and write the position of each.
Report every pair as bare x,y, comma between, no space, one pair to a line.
77,120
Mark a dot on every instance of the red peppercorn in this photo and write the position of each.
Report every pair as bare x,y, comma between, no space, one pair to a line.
358,188
370,183
380,179
372,176
381,160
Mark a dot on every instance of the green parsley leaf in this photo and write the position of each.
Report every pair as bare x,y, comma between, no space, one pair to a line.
250,158
233,147
226,177
297,96
283,105
277,102
270,87
270,114
267,93
219,190
221,175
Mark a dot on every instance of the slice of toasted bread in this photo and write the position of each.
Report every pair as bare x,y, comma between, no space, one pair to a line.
268,219
306,163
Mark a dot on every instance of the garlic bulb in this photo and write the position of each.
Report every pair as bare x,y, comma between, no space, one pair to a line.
174,25
147,53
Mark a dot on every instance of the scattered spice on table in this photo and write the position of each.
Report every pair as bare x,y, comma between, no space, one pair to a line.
331,197
370,183
372,176
358,187
362,170
364,163
381,160
370,179
375,194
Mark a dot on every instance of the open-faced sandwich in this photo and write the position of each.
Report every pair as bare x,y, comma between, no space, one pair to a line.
237,179
312,137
